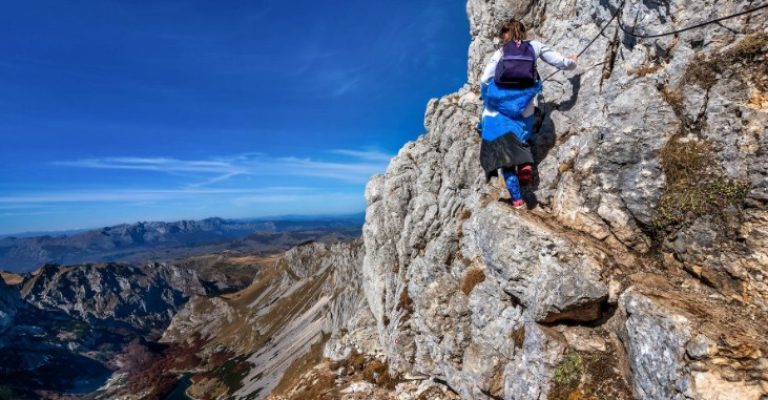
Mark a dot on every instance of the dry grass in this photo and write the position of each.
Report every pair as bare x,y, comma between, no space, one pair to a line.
759,101
518,337
746,59
246,334
377,372
695,187
405,303
566,166
646,70
322,383
11,279
320,388
300,366
471,279
702,71
265,279
673,97
356,361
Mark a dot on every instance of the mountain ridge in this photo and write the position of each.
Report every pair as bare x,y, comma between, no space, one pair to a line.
143,241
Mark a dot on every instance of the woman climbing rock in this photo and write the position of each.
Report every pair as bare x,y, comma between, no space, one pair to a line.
510,82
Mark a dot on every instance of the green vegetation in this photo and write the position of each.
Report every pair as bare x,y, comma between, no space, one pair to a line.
232,372
570,369
588,376
77,329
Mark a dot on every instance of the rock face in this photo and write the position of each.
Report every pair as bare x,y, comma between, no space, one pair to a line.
286,314
647,234
142,298
10,301
63,328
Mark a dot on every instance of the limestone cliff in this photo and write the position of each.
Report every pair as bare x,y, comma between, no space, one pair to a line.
639,269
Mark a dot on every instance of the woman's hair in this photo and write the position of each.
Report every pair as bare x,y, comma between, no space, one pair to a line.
512,30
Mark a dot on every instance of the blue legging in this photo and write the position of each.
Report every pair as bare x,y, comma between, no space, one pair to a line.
513,184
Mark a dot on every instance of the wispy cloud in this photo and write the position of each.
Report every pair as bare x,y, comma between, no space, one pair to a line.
150,164
359,166
246,183
368,155
141,195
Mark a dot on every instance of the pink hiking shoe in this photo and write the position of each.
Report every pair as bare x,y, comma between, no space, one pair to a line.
518,204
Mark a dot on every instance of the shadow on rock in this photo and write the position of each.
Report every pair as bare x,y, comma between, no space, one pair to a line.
545,136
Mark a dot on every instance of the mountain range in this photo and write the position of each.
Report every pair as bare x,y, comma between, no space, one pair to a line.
144,241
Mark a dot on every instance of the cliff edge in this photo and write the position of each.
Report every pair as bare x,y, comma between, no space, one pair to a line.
639,269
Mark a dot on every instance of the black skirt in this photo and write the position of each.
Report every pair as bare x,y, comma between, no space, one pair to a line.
506,151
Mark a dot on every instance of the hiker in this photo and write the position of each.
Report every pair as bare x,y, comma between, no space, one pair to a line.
509,84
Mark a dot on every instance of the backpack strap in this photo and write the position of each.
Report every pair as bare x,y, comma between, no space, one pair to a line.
535,60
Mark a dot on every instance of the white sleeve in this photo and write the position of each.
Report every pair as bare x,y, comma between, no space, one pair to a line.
552,57
490,67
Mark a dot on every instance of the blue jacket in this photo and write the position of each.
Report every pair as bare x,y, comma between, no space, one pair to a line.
504,109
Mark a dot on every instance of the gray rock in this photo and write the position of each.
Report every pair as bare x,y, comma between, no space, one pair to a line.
10,301
433,222
143,297
700,347
656,347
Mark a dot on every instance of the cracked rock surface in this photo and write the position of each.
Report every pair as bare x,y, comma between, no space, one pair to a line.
647,234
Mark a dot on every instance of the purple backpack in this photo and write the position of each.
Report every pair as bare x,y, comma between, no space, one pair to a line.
517,67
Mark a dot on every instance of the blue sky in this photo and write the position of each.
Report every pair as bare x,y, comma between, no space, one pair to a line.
123,110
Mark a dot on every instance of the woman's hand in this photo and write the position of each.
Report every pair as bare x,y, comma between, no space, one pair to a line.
572,57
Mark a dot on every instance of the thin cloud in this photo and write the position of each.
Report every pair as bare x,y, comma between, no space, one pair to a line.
368,155
139,195
305,197
150,164
362,165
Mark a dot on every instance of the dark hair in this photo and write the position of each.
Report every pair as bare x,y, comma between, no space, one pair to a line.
512,30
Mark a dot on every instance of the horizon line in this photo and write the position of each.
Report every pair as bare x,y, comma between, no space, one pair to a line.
73,231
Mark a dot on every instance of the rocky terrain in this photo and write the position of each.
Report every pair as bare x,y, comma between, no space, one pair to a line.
215,326
311,291
638,270
62,327
158,241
